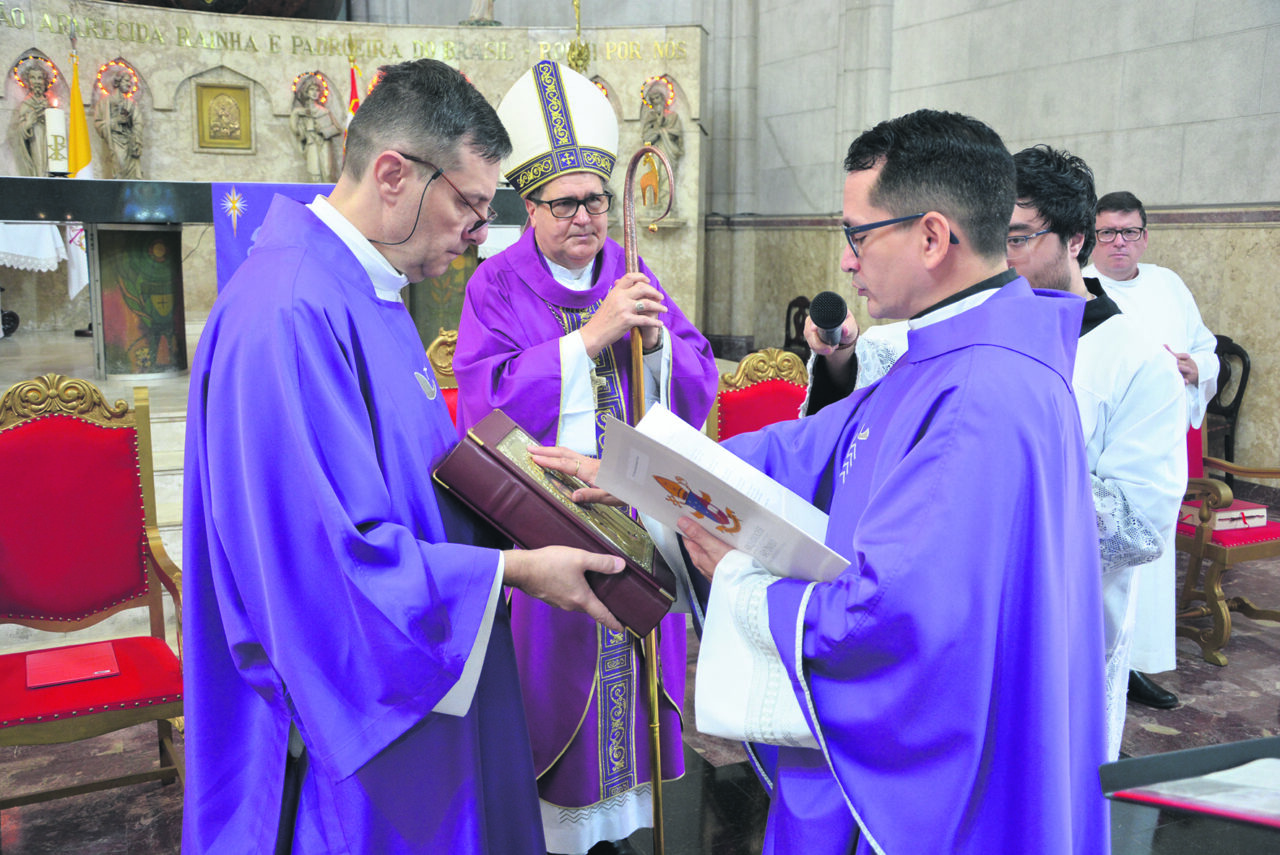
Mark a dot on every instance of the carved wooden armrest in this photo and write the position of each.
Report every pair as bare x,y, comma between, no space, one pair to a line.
1210,493
1239,471
168,574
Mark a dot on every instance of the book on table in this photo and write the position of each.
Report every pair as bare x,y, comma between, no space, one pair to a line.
1238,514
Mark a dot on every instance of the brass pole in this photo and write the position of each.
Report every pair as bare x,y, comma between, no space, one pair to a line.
636,409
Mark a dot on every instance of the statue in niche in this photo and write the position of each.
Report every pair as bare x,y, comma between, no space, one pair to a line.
313,127
661,128
29,141
481,15
118,118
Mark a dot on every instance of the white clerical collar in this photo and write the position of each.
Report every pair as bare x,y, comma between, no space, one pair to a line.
574,280
952,309
387,281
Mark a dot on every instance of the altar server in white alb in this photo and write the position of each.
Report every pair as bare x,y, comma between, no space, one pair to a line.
1161,303
1128,391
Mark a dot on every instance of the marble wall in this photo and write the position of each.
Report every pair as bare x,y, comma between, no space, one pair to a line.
178,53
1227,256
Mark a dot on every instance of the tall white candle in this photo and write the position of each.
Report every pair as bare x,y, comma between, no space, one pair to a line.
56,142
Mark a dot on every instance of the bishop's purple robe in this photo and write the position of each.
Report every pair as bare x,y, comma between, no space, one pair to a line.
326,584
508,358
953,675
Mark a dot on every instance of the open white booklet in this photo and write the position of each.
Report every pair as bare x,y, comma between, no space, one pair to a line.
666,469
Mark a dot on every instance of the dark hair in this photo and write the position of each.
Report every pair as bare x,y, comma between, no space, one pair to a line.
1060,186
1124,202
944,162
427,109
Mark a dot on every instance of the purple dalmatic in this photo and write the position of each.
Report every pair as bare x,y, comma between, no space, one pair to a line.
328,586
508,357
953,675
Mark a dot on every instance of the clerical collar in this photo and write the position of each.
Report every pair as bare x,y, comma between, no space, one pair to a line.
574,280
961,301
387,281
1098,309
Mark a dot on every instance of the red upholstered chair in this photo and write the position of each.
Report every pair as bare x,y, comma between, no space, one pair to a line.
768,387
1202,595
79,542
440,355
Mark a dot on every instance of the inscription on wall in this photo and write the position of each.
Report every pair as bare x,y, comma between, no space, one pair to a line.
102,28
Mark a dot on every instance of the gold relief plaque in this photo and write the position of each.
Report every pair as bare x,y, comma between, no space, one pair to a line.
224,118
628,538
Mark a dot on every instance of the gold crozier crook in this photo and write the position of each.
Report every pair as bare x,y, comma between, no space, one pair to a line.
636,411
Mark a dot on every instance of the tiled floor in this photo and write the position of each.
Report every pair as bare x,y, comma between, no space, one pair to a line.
718,807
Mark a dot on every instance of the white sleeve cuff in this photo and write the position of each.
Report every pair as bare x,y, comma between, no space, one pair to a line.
577,427
457,700
743,690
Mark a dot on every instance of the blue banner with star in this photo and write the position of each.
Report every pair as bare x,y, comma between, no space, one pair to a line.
238,210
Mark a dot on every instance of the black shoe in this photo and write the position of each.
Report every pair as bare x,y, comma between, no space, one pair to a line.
87,332
1143,691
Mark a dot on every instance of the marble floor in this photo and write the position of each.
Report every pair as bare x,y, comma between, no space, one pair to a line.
717,807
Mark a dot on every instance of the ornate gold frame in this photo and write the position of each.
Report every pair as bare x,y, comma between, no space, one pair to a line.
224,118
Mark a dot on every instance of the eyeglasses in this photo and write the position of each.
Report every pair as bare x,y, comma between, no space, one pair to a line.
567,208
484,219
1109,235
1017,243
851,231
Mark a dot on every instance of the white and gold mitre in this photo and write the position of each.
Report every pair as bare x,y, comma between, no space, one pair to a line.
559,122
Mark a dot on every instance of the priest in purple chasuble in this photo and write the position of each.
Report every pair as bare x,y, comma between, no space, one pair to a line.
944,693
351,682
543,336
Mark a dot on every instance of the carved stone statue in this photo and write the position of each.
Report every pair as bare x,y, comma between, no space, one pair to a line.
314,128
659,126
29,131
119,122
481,15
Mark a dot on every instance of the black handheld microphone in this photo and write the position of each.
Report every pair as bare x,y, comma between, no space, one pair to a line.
828,311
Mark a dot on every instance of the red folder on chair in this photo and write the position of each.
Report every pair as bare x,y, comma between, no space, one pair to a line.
71,664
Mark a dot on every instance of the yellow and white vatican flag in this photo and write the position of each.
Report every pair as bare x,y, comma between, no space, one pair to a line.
79,165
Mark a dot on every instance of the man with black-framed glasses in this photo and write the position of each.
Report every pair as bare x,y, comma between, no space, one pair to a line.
350,671
544,337
1159,299
944,693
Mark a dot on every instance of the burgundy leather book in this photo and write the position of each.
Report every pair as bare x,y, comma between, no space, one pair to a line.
491,471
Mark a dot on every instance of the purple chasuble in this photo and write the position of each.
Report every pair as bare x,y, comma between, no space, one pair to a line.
326,583
954,673
508,357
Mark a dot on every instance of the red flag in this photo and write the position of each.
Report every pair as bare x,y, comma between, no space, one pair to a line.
353,103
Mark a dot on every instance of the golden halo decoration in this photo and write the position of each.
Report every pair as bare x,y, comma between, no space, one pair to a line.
319,78
665,81
124,68
51,71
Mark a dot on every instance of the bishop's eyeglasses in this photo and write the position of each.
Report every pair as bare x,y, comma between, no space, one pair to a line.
567,208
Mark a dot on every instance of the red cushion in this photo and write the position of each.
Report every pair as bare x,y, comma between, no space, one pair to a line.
451,398
745,410
71,525
1237,536
150,675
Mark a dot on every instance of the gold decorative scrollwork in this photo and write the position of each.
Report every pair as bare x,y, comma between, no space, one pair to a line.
440,355
56,394
767,364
